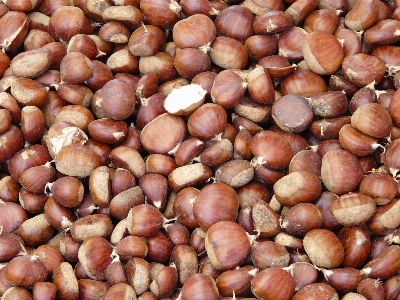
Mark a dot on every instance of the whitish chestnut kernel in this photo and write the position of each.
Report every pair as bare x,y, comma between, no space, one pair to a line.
266,286
323,248
184,100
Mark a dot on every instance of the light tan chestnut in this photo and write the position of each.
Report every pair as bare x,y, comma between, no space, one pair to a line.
323,248
76,160
353,209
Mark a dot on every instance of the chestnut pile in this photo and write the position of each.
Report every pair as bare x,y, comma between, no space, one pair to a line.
199,150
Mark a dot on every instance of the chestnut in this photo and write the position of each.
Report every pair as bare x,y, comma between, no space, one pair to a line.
221,245
216,195
197,31
323,248
265,284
